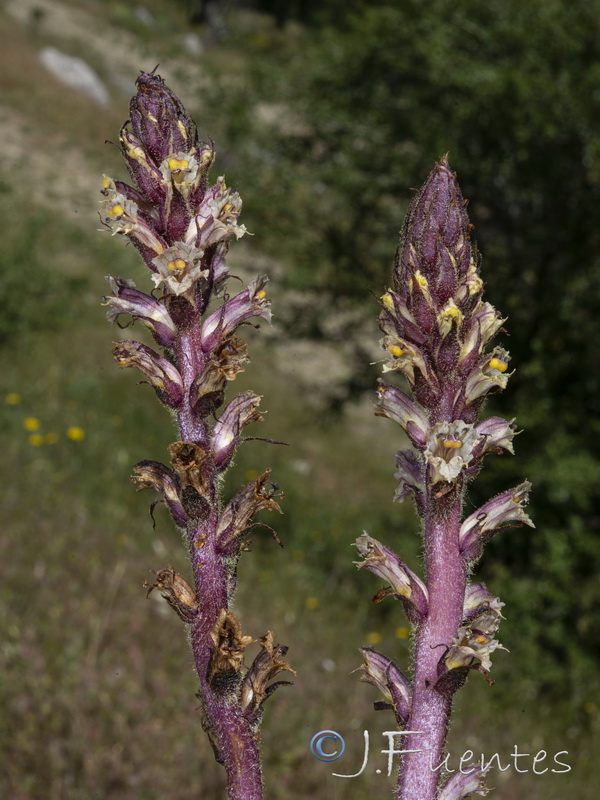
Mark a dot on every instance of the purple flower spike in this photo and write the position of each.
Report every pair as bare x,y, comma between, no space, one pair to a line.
437,332
182,227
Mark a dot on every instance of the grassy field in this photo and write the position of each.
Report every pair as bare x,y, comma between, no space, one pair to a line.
96,681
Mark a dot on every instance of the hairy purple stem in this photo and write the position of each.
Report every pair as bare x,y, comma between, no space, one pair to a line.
232,738
234,742
190,361
446,582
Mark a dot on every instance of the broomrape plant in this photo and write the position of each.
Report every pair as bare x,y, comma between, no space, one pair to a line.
436,331
181,226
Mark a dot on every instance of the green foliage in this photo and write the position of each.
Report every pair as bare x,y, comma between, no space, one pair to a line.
35,295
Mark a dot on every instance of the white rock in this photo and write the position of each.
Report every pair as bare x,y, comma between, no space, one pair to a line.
143,15
193,44
75,73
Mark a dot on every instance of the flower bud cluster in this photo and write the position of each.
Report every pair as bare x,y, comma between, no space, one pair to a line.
435,322
437,328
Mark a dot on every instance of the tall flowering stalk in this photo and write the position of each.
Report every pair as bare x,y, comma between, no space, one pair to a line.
437,329
182,226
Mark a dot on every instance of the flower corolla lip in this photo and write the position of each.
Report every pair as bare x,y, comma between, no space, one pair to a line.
179,268
449,449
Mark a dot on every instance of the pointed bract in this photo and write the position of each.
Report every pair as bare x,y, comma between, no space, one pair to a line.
162,375
241,411
410,476
255,688
382,673
407,586
504,510
236,520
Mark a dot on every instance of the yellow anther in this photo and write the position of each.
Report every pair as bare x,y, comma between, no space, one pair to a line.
176,264
451,311
260,295
453,444
420,279
106,182
395,350
229,207
387,301
497,363
177,163
481,639
116,211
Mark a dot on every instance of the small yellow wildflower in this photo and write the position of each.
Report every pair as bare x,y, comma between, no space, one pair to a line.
31,423
75,433
402,632
35,439
374,637
12,399
312,603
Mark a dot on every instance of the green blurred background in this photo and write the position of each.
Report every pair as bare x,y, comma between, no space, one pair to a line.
325,114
